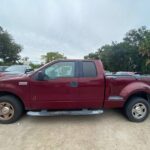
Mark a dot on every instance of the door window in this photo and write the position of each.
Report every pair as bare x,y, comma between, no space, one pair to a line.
60,69
89,69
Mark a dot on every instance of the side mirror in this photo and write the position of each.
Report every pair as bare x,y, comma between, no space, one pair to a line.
28,70
40,76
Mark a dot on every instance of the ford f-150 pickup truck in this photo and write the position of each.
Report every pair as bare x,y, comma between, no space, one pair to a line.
73,87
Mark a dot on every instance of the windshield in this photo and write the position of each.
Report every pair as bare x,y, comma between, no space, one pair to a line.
16,68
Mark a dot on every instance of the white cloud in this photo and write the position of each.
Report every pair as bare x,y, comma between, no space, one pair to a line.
74,28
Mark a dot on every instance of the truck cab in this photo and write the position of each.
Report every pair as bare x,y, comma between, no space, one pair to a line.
68,85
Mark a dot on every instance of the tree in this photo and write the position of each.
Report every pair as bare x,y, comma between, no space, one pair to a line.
92,56
9,50
132,54
35,66
144,48
135,36
50,56
120,57
140,39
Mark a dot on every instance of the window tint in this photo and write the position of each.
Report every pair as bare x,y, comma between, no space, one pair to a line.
60,69
89,69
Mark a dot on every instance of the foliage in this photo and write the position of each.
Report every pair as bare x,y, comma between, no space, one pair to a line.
35,66
132,54
50,56
9,50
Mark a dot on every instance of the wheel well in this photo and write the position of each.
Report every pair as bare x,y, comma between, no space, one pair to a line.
12,94
139,94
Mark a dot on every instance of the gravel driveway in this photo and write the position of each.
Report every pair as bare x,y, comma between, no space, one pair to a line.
109,131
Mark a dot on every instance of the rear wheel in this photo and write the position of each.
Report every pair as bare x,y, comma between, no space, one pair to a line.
11,109
137,109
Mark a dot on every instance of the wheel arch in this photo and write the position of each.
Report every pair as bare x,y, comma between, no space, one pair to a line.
142,94
4,93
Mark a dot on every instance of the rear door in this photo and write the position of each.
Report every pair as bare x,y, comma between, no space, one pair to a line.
91,84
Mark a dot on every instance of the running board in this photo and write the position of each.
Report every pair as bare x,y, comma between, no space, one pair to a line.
71,112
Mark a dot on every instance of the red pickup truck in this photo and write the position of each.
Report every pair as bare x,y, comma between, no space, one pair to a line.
73,87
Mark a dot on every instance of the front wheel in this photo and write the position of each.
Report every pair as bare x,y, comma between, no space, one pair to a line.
137,109
11,109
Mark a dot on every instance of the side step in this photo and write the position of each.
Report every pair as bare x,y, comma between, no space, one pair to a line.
71,112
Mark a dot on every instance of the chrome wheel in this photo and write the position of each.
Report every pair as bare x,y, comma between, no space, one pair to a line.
6,111
139,111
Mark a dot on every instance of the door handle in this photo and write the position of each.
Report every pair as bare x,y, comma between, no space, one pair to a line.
73,84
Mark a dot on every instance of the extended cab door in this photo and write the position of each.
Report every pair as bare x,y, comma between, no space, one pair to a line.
58,89
91,84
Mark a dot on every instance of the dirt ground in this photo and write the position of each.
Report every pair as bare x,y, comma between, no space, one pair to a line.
109,131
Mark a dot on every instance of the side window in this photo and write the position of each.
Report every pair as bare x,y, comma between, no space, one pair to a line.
89,69
60,69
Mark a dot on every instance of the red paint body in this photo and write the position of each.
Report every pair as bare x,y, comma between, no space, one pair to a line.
92,93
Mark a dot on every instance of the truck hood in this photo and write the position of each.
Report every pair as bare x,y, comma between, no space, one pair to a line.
6,77
9,73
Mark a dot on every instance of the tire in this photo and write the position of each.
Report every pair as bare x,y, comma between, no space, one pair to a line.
11,109
137,109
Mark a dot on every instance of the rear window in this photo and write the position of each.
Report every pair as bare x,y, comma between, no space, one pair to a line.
89,69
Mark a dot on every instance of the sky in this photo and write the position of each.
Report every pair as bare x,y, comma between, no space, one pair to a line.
71,27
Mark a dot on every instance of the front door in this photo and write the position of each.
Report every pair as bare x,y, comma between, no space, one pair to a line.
59,87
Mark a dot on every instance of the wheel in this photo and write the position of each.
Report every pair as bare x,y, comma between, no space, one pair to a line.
137,109
11,109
